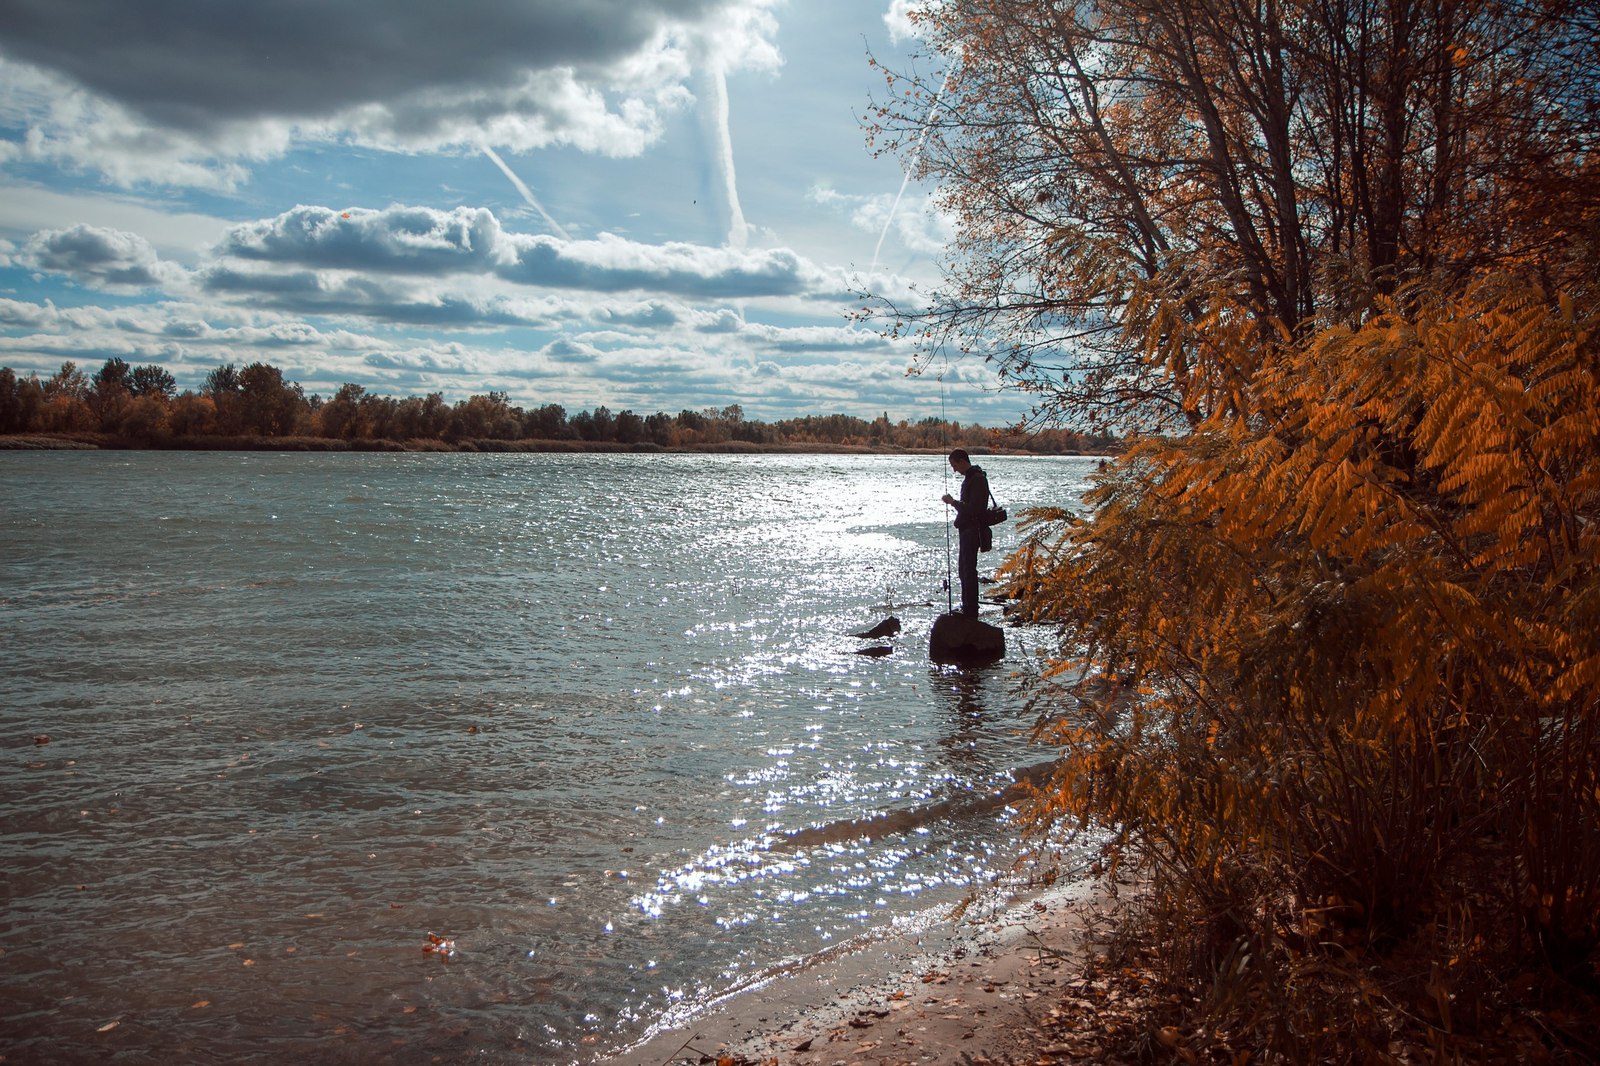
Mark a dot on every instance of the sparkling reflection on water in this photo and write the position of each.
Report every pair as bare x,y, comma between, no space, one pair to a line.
305,710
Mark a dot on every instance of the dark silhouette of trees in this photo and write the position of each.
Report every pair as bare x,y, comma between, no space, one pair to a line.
269,405
21,403
221,380
598,425
346,416
114,375
487,417
256,403
223,389
66,401
110,395
630,428
547,423
152,380
660,429
425,418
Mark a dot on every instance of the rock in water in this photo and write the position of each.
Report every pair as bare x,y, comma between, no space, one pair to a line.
886,628
959,638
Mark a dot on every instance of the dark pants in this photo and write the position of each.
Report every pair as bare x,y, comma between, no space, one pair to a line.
967,569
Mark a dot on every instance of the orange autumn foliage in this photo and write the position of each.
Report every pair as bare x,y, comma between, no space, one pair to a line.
1355,636
1329,631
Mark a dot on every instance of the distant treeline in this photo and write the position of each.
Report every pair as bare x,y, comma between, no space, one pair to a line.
256,406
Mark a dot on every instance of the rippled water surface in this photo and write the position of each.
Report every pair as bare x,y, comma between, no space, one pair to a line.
305,710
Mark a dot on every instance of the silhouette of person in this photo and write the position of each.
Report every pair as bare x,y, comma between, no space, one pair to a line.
971,523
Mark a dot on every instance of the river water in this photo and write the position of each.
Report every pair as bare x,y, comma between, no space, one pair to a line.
306,713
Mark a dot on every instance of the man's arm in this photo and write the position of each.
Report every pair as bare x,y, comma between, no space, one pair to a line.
974,498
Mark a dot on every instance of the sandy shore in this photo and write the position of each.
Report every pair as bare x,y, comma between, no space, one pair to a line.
968,991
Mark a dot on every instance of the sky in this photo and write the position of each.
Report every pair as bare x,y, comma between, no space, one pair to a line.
651,205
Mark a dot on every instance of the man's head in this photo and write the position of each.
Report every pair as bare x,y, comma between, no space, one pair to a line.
959,461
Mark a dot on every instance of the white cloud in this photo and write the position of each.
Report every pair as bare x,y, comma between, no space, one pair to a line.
898,19
297,253
130,130
652,356
917,224
19,314
70,127
177,236
398,238
101,258
167,93
611,263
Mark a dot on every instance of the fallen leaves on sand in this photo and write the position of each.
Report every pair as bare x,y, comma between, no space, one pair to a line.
1100,1017
866,1017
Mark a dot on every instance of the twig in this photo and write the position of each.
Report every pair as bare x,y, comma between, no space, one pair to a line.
1039,945
681,1048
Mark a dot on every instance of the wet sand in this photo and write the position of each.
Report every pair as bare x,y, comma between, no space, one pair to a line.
971,990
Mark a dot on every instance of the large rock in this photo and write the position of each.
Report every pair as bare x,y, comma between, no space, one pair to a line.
960,638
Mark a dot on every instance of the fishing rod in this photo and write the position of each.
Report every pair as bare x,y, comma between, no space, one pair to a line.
944,432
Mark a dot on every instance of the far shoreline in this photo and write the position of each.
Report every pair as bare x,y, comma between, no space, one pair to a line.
112,442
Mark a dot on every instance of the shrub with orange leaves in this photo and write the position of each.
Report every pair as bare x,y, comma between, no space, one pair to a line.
1354,632
1336,617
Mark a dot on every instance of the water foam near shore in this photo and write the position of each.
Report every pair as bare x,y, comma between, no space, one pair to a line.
937,989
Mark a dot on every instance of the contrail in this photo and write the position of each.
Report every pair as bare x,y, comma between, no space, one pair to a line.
738,232
527,193
905,179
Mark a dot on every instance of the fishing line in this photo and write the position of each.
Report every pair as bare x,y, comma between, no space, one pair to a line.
944,432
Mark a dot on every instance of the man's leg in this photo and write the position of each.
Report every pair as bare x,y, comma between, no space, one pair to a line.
967,567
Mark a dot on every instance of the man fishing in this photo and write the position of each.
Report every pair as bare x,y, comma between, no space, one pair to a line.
971,523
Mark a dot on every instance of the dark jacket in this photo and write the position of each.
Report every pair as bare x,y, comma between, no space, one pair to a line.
972,508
